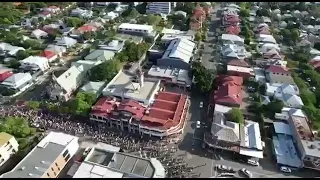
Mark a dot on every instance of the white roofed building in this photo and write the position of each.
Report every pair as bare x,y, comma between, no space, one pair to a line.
136,29
178,54
35,63
160,7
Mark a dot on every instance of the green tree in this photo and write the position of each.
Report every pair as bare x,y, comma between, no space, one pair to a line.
153,19
197,36
317,46
74,22
21,54
104,71
263,12
244,13
18,127
15,64
236,115
275,106
187,7
33,104
33,44
203,77
82,103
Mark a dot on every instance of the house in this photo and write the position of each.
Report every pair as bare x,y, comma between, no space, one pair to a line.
58,50
4,74
232,51
93,87
39,34
171,34
65,41
244,72
266,47
81,13
9,146
259,75
304,43
114,46
100,55
178,54
229,91
136,29
44,14
287,93
266,20
266,38
283,24
273,53
231,39
230,20
184,14
64,85
239,63
47,159
296,13
35,63
278,74
86,28
111,15
53,9
17,82
50,55
9,50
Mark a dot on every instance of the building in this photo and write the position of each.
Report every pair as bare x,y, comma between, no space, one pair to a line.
229,91
93,87
235,30
130,86
114,46
7,50
49,55
171,34
265,38
179,77
231,39
47,159
178,54
8,147
265,47
284,147
136,29
99,56
197,18
105,161
160,7
17,82
278,74
34,64
38,34
164,117
62,86
4,74
81,13
243,139
304,138
58,50
65,41
230,19
244,72
233,51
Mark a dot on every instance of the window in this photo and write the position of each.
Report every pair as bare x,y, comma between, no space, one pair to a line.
67,157
55,174
65,153
48,174
56,164
58,169
52,169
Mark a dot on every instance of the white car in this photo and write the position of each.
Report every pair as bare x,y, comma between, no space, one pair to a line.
246,172
285,169
198,124
201,104
252,162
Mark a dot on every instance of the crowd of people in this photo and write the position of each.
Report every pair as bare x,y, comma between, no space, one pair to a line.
142,146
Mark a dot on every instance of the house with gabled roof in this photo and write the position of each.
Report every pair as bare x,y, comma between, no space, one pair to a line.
278,74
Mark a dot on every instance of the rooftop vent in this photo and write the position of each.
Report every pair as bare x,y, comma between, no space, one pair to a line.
22,168
311,146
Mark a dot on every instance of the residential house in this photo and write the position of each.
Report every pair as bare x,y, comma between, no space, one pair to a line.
266,47
39,34
45,14
235,30
197,18
178,54
315,62
50,55
4,74
232,51
237,62
171,34
67,31
230,20
86,28
184,14
283,24
266,38
93,87
259,75
229,91
136,29
34,64
58,50
52,9
62,87
111,15
17,82
8,147
296,13
288,93
263,29
65,41
278,74
160,7
114,46
7,50
81,13
304,43
231,39
99,56
244,72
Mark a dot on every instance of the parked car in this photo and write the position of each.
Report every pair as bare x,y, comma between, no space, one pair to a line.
201,104
198,124
246,172
253,162
285,169
222,167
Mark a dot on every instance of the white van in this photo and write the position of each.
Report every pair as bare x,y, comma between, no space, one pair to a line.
253,162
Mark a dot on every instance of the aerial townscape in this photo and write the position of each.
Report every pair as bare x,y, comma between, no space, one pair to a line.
160,89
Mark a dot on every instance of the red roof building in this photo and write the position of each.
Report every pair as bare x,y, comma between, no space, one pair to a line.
198,16
87,28
277,69
315,63
229,91
4,74
230,20
49,55
233,30
240,63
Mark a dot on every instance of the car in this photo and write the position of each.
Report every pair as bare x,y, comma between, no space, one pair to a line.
198,124
201,104
253,162
246,172
222,167
285,169
308,79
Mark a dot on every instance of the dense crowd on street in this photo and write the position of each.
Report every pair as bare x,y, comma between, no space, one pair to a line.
141,146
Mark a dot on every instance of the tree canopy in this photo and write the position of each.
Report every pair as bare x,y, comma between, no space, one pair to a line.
104,71
81,104
236,115
16,126
203,77
132,52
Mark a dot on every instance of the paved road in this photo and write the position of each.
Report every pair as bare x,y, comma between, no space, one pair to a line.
209,55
